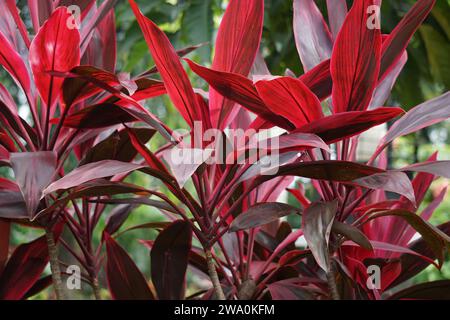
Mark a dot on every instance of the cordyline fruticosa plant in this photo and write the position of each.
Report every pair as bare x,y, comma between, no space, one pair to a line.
222,216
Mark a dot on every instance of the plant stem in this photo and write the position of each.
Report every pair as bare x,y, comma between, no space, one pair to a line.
54,266
96,289
213,275
332,283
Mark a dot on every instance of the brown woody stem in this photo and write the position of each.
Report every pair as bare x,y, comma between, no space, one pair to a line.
213,275
54,266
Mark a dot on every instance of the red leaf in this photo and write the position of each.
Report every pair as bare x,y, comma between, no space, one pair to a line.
347,124
5,228
169,260
13,63
98,116
56,47
125,280
237,43
169,66
312,37
355,62
397,41
23,269
239,89
318,80
290,98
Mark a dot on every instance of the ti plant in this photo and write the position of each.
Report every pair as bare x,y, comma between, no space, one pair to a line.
221,180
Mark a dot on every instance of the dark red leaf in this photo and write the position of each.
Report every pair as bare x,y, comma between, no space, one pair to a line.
169,259
98,116
23,269
435,290
261,214
125,280
317,221
345,125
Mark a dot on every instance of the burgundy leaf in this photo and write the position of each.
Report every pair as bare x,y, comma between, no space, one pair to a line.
169,259
125,280
117,146
5,230
23,269
355,62
318,80
434,290
317,221
92,171
98,116
261,214
352,233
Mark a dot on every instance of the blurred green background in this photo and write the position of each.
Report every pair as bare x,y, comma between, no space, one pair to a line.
189,22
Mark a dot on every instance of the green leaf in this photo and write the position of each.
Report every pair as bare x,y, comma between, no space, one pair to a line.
197,25
438,48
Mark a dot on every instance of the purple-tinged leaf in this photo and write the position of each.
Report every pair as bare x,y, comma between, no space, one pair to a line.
33,172
337,10
384,87
261,214
12,205
419,117
23,269
393,181
437,168
312,37
352,233
317,221
169,260
92,171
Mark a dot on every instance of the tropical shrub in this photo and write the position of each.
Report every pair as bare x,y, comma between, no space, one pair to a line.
249,135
